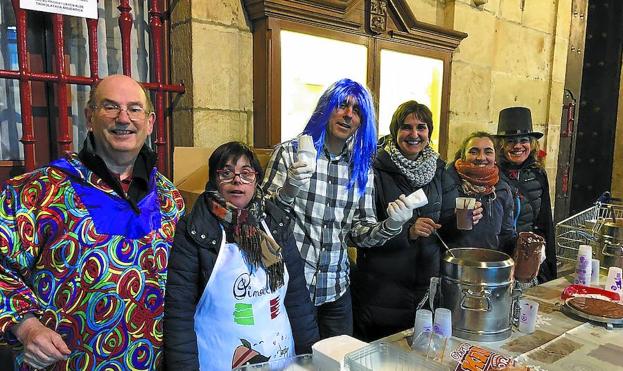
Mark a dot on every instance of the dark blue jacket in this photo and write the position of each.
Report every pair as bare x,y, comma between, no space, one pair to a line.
389,281
193,255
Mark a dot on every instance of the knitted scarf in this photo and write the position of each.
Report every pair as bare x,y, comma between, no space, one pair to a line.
477,180
258,248
419,171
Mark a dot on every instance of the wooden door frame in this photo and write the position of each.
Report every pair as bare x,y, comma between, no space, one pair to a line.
350,21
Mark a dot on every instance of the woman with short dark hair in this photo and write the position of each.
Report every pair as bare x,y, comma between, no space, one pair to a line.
236,292
390,280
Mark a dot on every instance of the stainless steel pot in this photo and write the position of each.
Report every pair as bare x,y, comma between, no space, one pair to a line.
611,241
477,286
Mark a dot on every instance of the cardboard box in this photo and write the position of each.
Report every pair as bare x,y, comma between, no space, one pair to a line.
190,170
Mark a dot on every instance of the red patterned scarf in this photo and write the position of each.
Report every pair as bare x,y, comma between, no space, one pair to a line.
477,180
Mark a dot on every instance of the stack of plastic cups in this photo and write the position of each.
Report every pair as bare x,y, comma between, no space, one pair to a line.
421,330
443,322
584,265
442,330
595,272
423,322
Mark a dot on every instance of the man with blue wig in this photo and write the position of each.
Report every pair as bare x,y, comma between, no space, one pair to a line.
333,199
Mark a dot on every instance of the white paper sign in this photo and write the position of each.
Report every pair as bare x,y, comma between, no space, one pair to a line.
77,8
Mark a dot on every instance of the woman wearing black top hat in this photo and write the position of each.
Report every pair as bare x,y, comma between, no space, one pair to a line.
522,169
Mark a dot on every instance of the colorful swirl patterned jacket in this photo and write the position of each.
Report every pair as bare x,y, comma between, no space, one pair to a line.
88,263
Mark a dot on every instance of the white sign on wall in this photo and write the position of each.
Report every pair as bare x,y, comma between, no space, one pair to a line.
77,8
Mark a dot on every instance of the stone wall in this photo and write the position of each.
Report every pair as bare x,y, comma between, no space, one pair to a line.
515,55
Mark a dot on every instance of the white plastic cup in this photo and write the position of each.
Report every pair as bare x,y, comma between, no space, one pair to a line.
584,265
306,151
528,310
418,198
423,322
437,347
613,282
595,272
421,342
443,322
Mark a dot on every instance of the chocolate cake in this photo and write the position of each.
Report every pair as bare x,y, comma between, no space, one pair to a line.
597,307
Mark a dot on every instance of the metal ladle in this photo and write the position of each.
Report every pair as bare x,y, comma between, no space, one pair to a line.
449,250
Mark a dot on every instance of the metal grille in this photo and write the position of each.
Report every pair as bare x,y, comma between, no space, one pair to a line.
585,228
61,77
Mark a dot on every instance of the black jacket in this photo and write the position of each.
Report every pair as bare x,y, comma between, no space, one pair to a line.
495,230
531,190
388,281
193,255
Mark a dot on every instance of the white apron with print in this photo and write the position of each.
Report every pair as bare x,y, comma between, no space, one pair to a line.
238,320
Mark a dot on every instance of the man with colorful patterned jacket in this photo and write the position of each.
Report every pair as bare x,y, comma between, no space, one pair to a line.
84,244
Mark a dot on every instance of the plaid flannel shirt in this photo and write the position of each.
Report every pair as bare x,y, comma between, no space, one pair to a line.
327,215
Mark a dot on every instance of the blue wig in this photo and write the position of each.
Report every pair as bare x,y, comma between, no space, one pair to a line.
364,139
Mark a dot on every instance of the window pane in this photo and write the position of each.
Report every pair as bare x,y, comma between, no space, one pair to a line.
309,64
10,112
409,77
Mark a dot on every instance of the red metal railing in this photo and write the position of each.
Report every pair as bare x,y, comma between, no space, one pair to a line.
61,78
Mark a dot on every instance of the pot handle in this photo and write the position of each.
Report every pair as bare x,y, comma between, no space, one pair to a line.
479,296
617,246
515,295
432,292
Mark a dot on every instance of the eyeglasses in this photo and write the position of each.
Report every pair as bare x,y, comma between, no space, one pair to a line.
112,111
227,176
521,140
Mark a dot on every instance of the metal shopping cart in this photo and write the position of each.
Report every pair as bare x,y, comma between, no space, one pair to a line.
585,228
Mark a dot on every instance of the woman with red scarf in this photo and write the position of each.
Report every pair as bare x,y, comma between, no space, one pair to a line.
476,175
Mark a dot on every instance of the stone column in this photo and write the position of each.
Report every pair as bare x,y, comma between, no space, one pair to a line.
212,53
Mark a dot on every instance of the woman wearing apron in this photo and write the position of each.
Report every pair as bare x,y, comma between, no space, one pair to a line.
236,292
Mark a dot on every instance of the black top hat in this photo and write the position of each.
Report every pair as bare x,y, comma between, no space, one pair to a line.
516,121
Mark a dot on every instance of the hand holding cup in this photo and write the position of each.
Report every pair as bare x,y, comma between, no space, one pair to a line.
399,212
298,176
465,213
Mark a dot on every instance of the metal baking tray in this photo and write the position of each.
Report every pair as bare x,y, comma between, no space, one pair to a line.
387,357
609,322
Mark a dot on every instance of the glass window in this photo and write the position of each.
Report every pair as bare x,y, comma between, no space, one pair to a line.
409,77
309,64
